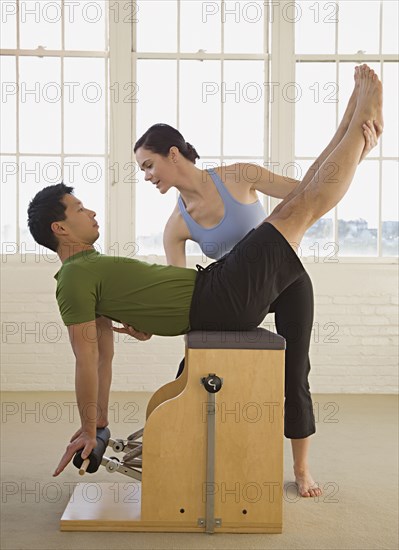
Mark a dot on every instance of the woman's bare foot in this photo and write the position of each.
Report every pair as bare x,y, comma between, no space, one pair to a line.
350,109
304,481
307,487
369,97
371,129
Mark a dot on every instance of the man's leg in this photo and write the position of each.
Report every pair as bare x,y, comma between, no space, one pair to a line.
332,181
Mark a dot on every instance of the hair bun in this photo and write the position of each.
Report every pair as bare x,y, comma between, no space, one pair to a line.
191,151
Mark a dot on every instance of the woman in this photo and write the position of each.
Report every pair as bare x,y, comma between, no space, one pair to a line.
217,208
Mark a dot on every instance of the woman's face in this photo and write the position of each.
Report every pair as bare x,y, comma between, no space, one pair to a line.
157,169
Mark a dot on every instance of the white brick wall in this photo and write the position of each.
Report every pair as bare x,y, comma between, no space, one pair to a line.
354,346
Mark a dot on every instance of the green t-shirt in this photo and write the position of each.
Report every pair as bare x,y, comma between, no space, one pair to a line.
151,298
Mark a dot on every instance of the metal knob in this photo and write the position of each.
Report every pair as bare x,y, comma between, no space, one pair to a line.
212,383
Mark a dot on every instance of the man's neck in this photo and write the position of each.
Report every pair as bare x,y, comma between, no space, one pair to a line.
67,250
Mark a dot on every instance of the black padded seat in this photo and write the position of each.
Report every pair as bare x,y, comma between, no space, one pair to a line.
258,338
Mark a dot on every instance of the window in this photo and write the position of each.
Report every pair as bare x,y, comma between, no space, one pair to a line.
208,76
201,67
225,73
365,222
54,107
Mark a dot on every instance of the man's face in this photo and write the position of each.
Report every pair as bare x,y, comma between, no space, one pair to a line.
79,225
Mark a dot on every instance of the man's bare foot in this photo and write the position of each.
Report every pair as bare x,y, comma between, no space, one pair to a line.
307,487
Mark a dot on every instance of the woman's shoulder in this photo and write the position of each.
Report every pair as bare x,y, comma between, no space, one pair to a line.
237,172
238,179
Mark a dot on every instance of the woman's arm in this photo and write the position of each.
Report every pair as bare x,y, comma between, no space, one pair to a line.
174,242
282,187
267,182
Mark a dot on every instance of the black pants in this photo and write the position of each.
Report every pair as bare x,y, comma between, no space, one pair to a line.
294,321
263,274
293,310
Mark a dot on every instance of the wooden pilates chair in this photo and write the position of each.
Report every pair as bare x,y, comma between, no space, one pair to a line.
211,456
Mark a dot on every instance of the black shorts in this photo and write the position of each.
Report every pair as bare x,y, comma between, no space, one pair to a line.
235,292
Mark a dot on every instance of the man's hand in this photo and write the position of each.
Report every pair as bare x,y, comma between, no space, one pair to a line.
371,132
80,440
127,329
80,431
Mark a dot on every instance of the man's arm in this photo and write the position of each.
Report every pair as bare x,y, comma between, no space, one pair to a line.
105,337
84,341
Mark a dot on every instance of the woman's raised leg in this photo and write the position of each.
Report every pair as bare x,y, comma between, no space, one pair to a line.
371,131
335,175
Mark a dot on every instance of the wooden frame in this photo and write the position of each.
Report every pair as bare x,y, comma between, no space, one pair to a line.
248,473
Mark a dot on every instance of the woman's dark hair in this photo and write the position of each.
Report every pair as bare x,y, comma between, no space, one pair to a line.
44,209
161,137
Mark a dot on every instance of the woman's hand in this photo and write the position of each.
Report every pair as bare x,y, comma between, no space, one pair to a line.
127,329
371,132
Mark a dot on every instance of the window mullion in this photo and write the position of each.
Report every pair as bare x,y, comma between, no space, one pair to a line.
62,87
121,189
266,104
178,67
380,191
106,145
221,81
335,211
282,147
17,233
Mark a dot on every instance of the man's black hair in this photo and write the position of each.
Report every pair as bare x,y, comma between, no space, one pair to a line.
44,209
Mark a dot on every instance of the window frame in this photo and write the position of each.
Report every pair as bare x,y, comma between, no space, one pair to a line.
284,63
278,148
62,54
279,119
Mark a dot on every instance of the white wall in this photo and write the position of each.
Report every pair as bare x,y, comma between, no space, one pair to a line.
356,304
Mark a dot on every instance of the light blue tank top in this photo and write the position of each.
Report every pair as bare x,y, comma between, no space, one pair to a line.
237,221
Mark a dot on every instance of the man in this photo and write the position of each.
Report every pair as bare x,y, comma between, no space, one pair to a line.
233,293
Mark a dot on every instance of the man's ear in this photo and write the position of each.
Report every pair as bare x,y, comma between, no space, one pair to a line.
58,228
